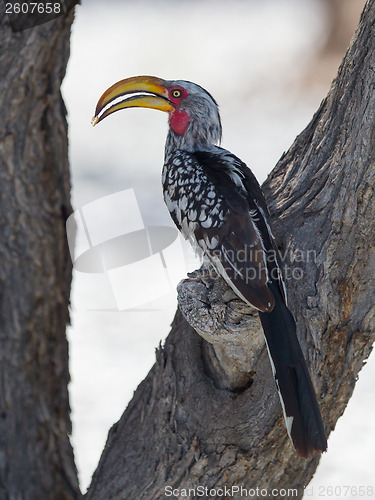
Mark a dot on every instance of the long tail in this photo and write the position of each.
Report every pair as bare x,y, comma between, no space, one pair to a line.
301,411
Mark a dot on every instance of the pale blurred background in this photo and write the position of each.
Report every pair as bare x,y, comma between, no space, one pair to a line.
268,64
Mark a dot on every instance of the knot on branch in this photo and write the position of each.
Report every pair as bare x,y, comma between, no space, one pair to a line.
230,327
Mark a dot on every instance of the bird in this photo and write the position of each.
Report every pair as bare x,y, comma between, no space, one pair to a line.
218,205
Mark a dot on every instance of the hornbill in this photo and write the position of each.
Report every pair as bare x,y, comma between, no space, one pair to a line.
217,204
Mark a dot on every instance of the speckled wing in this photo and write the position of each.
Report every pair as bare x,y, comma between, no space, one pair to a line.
209,203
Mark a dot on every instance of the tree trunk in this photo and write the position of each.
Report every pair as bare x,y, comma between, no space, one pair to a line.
36,458
192,421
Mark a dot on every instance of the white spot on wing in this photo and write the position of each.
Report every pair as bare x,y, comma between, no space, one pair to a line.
207,223
183,203
202,215
192,215
211,243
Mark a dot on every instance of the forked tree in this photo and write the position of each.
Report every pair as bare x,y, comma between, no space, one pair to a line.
208,412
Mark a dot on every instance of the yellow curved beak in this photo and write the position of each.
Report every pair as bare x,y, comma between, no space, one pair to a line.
155,87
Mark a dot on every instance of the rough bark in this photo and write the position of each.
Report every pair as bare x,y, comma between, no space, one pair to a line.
183,428
36,458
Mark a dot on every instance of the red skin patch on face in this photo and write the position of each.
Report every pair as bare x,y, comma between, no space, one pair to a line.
179,121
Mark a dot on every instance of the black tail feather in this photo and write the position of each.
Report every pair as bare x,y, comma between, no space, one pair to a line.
297,395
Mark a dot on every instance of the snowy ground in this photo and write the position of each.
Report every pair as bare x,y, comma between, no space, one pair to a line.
249,56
